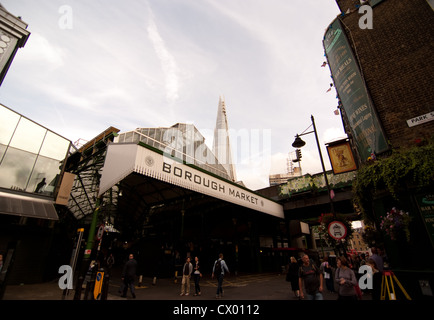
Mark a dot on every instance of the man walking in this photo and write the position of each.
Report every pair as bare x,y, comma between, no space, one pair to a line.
218,271
312,278
128,274
186,275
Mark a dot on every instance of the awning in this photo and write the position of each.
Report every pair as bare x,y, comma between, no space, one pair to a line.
25,206
124,159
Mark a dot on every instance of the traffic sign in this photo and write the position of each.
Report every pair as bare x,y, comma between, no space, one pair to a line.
98,285
337,230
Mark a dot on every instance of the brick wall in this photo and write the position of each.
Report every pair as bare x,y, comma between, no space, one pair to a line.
397,61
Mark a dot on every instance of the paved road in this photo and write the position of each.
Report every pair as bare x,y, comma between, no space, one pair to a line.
266,293
263,286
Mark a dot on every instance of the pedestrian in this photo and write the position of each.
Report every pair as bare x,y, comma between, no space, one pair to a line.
110,261
197,275
187,269
292,276
326,269
376,279
128,276
345,280
311,278
218,271
377,258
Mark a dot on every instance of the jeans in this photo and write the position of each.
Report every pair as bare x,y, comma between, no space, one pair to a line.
196,283
316,296
128,283
220,284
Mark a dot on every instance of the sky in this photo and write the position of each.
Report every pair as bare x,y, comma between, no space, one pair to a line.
89,65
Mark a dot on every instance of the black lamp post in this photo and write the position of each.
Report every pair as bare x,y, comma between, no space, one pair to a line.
298,143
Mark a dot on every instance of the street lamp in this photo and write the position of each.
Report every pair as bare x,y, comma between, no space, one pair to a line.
298,143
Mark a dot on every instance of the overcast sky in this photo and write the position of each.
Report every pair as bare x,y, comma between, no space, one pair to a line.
93,64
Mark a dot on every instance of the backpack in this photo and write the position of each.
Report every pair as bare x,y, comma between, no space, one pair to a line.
314,268
218,267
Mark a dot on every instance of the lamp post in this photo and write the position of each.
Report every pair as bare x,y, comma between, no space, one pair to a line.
298,143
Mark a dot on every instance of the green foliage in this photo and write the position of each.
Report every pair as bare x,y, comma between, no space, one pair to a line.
411,167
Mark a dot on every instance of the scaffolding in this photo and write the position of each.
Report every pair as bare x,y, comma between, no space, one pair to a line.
86,163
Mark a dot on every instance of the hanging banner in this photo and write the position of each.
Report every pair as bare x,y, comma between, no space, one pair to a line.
65,188
364,123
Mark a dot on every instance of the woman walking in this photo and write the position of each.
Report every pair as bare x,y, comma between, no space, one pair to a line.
292,276
346,280
197,275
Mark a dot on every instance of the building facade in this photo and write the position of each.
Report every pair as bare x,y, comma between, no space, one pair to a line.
380,57
13,35
31,170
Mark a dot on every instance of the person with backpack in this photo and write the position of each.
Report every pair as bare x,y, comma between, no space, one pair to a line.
218,271
310,279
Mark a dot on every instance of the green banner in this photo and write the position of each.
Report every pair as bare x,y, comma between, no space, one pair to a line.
365,126
426,208
374,2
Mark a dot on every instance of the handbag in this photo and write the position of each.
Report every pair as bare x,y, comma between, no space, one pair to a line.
358,292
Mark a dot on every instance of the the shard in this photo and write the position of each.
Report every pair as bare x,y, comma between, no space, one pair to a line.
221,144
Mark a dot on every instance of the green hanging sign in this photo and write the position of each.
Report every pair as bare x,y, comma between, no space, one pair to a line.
356,102
425,203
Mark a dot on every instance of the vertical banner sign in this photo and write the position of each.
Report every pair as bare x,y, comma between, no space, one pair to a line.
365,126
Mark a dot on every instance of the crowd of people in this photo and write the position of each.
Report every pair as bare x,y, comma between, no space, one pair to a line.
189,270
309,280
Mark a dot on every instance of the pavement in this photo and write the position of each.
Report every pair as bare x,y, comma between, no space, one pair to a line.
258,295
246,286
263,286
261,295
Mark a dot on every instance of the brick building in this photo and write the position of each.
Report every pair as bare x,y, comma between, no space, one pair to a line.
380,56
396,62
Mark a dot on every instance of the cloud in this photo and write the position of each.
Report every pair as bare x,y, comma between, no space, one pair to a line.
41,51
168,63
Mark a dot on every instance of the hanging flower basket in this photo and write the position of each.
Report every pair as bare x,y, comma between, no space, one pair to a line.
395,224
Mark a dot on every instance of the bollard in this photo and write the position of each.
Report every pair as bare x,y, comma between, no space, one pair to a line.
105,286
154,282
140,280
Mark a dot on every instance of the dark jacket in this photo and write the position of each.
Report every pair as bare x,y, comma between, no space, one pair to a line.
130,269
